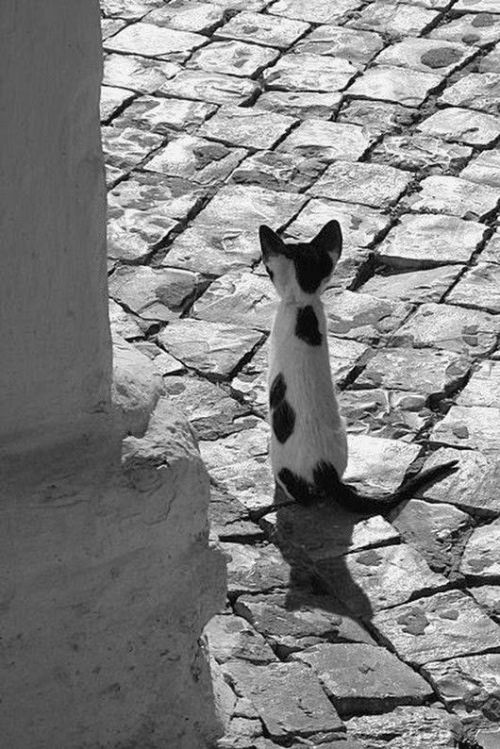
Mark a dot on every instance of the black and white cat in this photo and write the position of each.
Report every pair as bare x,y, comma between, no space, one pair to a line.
309,443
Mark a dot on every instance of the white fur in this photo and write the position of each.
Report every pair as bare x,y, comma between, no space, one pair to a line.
319,432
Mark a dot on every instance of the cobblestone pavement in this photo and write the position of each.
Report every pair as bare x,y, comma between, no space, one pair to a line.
339,633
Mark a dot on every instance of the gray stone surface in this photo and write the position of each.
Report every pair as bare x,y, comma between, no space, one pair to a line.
259,28
472,487
293,621
251,128
385,413
186,15
150,40
426,241
438,627
414,286
428,55
192,157
377,117
301,104
382,578
141,74
489,63
378,466
476,30
358,47
208,408
432,529
491,251
407,728
233,58
445,326
152,293
453,196
474,91
278,171
126,147
164,115
212,250
423,370
374,185
473,427
394,20
112,98
483,388
245,299
488,597
480,557
308,72
419,151
462,126
360,225
468,685
484,168
361,316
132,11
288,699
396,84
314,10
231,637
213,349
478,287
254,569
207,86
362,679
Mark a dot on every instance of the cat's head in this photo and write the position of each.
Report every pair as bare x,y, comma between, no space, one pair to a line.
299,270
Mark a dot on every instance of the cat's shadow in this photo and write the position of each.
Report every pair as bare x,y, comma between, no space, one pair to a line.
314,541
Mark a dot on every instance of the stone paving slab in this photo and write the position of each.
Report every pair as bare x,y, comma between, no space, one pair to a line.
293,621
394,20
479,287
428,285
308,72
231,637
427,55
425,241
150,40
377,117
462,126
484,168
382,578
473,487
209,86
438,627
288,698
238,299
373,185
419,151
473,427
233,58
315,11
302,104
152,293
475,91
443,326
361,316
480,557
407,728
422,370
267,30
278,171
395,84
476,30
467,685
165,115
239,126
140,74
361,679
186,16
453,196
380,412
358,47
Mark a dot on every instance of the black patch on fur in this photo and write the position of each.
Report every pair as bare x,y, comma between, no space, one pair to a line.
296,486
307,326
278,391
283,421
326,478
312,265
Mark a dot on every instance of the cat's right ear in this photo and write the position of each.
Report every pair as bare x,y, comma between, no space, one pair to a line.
329,239
270,243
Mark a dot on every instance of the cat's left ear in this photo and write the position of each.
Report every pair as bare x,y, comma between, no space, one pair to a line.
329,240
270,243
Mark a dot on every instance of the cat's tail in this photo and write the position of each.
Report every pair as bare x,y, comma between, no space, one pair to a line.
351,499
329,487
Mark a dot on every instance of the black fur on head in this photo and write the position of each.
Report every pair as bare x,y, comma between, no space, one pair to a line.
313,261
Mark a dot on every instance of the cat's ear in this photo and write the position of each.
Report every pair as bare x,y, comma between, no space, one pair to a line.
329,239
270,243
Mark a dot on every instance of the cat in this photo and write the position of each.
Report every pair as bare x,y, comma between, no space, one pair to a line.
308,447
